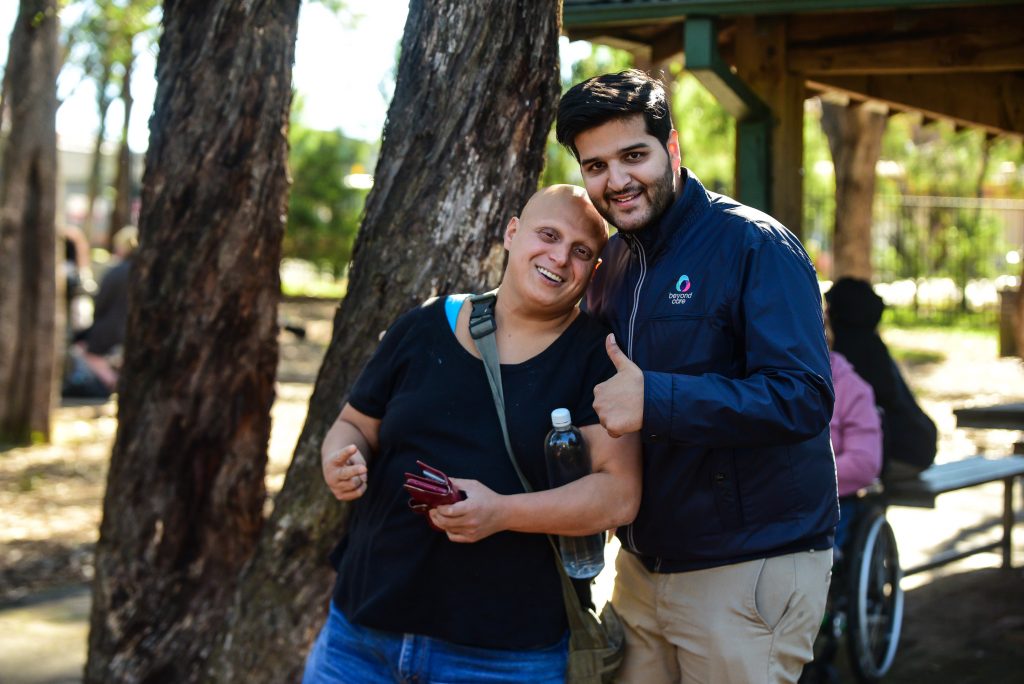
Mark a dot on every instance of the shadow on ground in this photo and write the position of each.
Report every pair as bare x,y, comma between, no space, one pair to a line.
966,628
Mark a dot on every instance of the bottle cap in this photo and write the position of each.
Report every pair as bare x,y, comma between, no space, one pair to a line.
561,417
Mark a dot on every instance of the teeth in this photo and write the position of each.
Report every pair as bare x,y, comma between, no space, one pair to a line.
549,274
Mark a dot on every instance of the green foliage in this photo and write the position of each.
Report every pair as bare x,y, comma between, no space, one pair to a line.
937,159
941,234
561,166
107,35
917,357
819,190
320,288
329,173
707,134
930,218
981,325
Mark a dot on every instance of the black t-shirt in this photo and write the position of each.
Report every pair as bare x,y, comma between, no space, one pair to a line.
395,573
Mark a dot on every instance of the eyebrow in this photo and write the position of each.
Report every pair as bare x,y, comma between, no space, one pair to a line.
622,150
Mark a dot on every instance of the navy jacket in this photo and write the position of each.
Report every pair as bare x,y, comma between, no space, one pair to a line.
719,306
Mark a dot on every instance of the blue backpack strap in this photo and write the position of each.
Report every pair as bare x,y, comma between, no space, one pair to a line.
452,306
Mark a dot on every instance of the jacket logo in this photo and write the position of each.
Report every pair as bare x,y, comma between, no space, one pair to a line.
682,292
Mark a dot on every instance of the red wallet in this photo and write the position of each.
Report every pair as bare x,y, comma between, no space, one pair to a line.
432,488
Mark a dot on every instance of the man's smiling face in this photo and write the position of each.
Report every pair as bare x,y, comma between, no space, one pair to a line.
630,176
553,248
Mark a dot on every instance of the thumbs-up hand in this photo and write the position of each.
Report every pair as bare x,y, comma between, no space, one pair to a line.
619,400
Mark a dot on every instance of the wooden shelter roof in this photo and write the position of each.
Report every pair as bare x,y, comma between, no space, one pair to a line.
961,60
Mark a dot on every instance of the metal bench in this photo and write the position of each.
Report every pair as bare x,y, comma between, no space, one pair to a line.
922,491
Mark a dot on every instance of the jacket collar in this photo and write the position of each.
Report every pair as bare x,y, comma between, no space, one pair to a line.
684,212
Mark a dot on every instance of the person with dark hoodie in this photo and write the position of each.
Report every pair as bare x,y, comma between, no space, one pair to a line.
909,436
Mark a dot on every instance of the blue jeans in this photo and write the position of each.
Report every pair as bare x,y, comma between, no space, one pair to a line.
345,652
849,510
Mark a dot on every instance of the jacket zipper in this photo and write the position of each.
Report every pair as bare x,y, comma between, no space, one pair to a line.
629,342
636,296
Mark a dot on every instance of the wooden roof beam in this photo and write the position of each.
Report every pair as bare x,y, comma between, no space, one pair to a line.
991,102
907,42
668,43
1002,51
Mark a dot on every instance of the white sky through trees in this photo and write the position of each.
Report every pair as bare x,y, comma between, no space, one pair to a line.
343,73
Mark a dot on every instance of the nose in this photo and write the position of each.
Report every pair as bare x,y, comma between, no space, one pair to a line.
559,254
618,177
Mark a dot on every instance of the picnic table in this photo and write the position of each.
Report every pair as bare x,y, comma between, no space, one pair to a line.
973,471
1008,416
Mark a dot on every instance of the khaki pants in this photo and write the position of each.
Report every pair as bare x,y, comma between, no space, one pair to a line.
746,623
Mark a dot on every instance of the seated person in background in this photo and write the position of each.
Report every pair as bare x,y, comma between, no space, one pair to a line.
79,285
856,440
910,438
481,600
96,353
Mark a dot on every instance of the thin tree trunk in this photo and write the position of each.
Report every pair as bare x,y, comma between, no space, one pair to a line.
463,147
28,188
121,213
95,182
854,136
184,498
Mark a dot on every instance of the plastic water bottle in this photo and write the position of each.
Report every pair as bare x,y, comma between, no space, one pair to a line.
568,460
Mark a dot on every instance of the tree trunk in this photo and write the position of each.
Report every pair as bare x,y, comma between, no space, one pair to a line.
462,150
121,213
855,138
184,498
28,193
95,182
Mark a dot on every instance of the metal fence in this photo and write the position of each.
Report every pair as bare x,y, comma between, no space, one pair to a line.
940,257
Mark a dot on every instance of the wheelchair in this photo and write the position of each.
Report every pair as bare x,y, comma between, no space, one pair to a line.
865,602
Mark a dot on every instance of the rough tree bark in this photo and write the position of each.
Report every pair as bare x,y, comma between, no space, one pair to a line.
463,147
854,134
28,194
184,498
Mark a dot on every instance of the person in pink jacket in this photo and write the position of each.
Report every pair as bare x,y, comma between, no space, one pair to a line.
856,428
856,439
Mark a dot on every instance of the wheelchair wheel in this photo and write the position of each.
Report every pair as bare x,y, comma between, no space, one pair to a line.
875,610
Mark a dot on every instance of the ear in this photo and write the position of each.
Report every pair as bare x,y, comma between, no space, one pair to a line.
510,231
675,156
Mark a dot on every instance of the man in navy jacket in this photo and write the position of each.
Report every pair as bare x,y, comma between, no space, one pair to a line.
724,370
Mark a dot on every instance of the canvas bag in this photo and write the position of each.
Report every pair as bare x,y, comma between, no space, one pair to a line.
596,643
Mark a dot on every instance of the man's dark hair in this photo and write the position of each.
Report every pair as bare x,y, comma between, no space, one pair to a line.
601,99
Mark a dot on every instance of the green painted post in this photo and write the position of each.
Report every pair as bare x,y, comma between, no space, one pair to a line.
753,163
753,116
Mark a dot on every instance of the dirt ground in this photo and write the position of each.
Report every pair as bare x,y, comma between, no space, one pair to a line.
964,623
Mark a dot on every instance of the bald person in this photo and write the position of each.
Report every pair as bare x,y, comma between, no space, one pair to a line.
495,610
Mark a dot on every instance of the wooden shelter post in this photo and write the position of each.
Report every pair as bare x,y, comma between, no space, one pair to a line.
760,57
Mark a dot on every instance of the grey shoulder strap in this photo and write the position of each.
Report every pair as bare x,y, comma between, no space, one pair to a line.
482,328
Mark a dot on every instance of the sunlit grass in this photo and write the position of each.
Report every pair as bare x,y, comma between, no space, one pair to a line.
318,289
917,357
304,279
